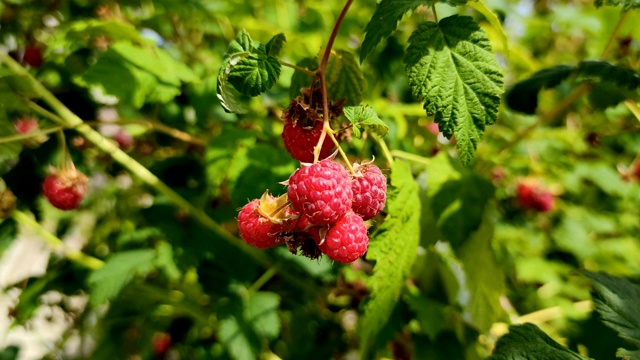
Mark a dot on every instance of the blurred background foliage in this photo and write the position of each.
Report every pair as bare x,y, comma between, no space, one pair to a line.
484,260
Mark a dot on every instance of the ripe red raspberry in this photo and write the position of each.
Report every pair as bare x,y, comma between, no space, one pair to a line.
256,229
321,191
532,197
65,189
25,125
637,170
299,140
33,56
161,344
346,240
369,188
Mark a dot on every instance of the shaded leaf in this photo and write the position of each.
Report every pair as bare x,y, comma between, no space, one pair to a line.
8,233
393,259
431,314
628,355
616,300
301,79
458,198
385,20
107,282
165,261
344,78
528,342
274,45
452,69
363,116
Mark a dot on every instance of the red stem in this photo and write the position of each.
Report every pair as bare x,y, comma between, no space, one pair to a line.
323,85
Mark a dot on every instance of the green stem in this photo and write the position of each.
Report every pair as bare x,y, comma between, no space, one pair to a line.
435,14
383,146
298,68
44,112
614,34
268,275
342,153
411,157
20,137
56,244
633,107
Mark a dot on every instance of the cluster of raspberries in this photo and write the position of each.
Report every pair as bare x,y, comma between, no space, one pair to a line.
323,211
325,206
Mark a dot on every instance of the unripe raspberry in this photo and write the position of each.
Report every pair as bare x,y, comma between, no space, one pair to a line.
25,125
256,229
322,192
65,189
369,188
346,240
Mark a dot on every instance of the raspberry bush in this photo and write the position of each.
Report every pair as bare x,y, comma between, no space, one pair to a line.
214,179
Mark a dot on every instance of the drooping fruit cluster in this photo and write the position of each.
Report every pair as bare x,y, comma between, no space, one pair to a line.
532,196
323,212
65,188
303,125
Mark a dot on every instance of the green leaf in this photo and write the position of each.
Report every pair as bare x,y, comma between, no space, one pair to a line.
248,321
107,282
528,342
432,315
9,353
482,307
152,75
10,151
253,74
230,99
628,355
8,233
626,4
363,116
385,20
616,300
242,43
452,69
394,248
344,78
165,261
458,198
523,96
274,45
301,79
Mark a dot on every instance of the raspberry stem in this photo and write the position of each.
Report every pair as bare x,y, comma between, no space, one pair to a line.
342,153
29,135
326,129
56,244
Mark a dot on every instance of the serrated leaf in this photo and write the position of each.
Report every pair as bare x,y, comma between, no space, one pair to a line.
363,116
230,99
385,20
107,282
301,79
253,74
274,45
626,4
528,342
616,300
452,69
344,78
394,248
523,96
493,19
262,312
242,43
458,198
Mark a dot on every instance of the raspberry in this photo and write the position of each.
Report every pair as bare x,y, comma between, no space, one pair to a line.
65,189
161,343
346,240
299,140
369,191
33,57
321,191
255,228
532,197
124,139
25,125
